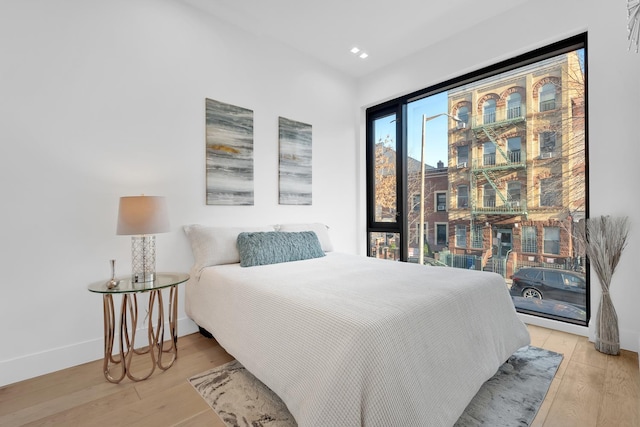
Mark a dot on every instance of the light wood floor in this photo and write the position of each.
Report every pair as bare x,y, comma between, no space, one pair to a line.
590,389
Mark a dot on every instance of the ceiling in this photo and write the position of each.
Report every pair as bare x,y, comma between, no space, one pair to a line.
327,29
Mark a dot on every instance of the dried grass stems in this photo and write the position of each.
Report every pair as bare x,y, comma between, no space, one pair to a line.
605,238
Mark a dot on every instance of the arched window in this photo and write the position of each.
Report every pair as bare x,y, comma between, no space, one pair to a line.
489,199
514,149
548,97
489,154
514,189
463,114
514,106
463,196
489,111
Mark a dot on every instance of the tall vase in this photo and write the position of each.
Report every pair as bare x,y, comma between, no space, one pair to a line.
607,333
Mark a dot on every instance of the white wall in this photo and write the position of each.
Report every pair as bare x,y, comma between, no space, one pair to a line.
614,111
101,99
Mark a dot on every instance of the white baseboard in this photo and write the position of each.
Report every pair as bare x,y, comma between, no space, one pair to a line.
36,364
629,339
554,324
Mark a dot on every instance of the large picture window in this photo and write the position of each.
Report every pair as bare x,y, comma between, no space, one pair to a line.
496,161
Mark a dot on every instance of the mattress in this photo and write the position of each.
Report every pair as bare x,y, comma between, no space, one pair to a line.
347,340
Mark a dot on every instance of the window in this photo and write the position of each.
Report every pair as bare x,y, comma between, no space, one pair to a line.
513,193
514,146
441,234
548,97
415,203
489,154
463,156
463,114
489,111
489,199
476,236
550,192
529,239
463,196
441,202
513,106
547,144
551,240
461,236
417,234
491,183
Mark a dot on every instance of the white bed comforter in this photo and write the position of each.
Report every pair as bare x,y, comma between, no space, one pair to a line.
346,340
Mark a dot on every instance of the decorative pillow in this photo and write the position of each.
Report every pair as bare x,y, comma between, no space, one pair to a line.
215,245
321,230
273,247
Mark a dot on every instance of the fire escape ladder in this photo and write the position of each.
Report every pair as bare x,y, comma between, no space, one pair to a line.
492,134
491,180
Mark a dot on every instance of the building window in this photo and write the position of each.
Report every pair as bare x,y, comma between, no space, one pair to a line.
489,111
529,239
426,232
514,193
547,144
489,154
463,114
463,196
514,107
514,149
489,199
550,192
551,240
461,236
441,234
476,236
463,156
415,203
548,97
441,202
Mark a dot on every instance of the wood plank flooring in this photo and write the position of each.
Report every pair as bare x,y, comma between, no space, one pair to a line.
590,389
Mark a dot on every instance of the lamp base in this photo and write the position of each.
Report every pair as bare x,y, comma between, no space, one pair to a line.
143,258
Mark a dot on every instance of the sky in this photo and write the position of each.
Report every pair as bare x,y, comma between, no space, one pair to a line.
436,130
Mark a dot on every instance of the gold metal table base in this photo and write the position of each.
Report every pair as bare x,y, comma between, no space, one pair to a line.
128,324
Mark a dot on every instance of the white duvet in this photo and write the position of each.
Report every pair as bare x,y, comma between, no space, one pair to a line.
347,340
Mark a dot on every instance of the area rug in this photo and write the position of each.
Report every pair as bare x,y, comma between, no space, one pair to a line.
510,398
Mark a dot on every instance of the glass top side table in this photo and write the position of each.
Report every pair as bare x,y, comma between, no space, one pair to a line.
127,324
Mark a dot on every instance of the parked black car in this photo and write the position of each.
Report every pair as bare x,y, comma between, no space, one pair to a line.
549,283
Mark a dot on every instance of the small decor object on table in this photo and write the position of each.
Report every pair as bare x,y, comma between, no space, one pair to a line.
605,238
128,324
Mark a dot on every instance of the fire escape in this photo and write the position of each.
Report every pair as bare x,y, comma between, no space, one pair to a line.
490,201
491,168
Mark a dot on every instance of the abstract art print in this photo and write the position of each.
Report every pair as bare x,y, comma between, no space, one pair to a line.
295,162
229,159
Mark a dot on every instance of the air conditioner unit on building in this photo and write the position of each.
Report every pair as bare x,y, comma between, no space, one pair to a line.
462,165
547,155
441,207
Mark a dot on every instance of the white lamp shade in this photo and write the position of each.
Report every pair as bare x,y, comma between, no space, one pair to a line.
142,215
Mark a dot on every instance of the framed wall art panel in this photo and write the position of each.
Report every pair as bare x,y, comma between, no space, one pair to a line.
295,170
229,154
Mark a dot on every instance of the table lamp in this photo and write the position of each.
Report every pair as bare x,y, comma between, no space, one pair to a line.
141,217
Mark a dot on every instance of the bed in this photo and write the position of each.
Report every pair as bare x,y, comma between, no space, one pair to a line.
347,340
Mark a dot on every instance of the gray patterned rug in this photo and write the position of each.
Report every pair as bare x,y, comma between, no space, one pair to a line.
510,398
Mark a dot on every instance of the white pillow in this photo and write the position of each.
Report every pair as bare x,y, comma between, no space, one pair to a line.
321,230
216,245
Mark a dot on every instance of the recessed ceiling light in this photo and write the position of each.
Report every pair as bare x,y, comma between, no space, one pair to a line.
355,50
363,55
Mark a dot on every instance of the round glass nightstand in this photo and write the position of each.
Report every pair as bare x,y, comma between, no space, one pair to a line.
127,322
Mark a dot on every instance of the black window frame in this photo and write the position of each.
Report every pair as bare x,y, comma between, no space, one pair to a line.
398,107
